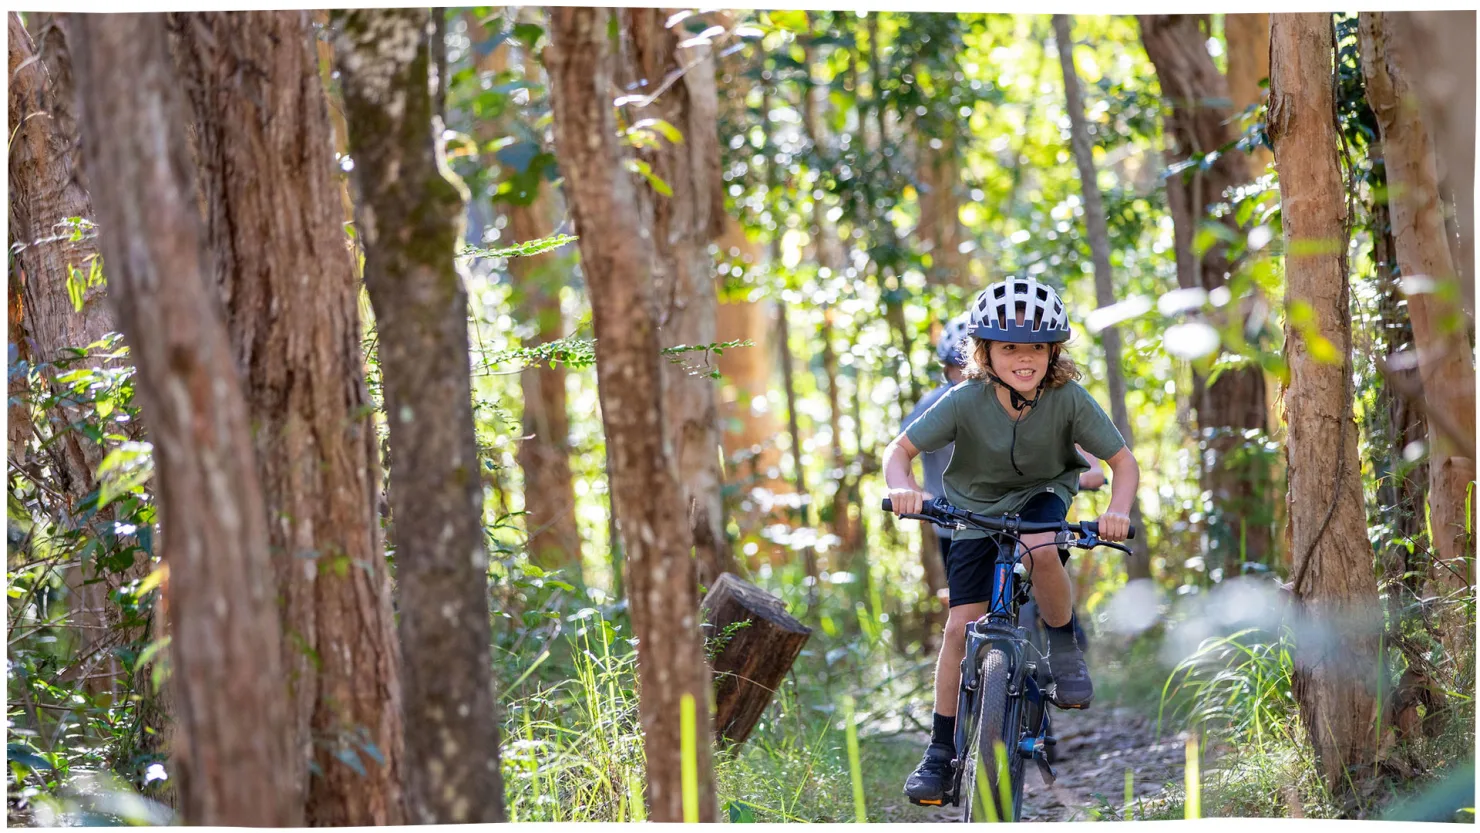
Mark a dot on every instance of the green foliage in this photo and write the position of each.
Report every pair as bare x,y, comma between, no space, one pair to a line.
526,249
67,737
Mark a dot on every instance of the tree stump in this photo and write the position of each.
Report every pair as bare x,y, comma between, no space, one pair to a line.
753,642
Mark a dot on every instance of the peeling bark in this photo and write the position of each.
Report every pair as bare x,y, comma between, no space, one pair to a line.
1336,655
684,282
617,258
1444,363
1440,45
232,707
288,288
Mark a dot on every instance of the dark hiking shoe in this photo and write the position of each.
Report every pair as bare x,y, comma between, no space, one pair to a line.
1071,688
927,784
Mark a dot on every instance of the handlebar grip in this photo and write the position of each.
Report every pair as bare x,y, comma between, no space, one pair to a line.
1094,526
888,505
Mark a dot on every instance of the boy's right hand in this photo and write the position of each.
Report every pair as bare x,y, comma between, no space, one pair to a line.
906,501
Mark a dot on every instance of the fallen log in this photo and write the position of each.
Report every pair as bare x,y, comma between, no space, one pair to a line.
752,642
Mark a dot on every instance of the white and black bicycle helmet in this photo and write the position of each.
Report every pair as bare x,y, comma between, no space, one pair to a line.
994,313
952,339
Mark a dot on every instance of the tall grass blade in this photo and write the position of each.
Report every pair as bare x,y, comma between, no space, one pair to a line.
1004,779
1193,805
984,793
1130,792
689,752
851,734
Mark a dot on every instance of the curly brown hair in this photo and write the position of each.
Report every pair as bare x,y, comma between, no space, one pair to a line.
1061,369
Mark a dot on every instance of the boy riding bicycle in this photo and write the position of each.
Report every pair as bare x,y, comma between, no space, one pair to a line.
1015,422
949,350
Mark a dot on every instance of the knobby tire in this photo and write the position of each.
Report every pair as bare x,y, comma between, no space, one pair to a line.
995,723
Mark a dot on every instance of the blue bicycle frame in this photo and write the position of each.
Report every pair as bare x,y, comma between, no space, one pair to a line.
997,629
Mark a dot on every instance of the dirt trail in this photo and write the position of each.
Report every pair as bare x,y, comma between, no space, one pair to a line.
1095,749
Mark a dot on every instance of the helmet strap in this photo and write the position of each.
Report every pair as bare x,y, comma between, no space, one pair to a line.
1019,402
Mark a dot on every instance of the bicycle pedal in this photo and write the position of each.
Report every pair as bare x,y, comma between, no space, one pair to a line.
1046,770
927,802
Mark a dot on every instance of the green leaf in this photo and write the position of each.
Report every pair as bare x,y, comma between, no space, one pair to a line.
740,812
638,166
792,20
1309,248
20,753
668,131
518,155
76,287
127,467
526,249
151,651
510,86
528,33
1321,349
153,580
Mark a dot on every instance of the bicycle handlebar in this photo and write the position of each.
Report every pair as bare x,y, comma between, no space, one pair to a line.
939,511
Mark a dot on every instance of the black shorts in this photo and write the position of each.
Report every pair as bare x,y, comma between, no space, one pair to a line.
969,570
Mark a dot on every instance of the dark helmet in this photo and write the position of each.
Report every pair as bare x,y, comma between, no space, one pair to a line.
948,349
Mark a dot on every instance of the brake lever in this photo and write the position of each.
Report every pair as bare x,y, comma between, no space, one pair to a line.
1089,542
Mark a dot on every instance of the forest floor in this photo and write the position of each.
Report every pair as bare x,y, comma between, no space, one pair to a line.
1095,747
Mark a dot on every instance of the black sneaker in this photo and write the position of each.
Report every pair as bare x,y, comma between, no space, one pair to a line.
928,783
1072,688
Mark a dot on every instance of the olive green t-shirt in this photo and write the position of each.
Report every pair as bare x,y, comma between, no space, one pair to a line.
981,477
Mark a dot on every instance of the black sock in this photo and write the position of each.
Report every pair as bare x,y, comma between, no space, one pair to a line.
944,730
1062,637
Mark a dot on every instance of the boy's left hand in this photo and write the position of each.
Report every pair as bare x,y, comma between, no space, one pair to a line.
1114,526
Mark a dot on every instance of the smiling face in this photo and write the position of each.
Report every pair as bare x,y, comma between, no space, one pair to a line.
1022,366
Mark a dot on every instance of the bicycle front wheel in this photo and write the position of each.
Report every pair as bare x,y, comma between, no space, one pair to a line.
995,791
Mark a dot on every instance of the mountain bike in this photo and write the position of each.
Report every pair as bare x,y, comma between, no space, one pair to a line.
1002,710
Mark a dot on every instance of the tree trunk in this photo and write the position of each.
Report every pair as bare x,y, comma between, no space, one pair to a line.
1401,484
233,718
830,255
408,217
1098,232
1439,333
273,216
788,373
1235,402
544,452
1248,64
683,226
1439,47
48,207
1336,656
19,361
617,260
755,641
749,426
336,121
940,211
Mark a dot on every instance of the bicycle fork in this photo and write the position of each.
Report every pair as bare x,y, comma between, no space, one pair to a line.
1034,745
